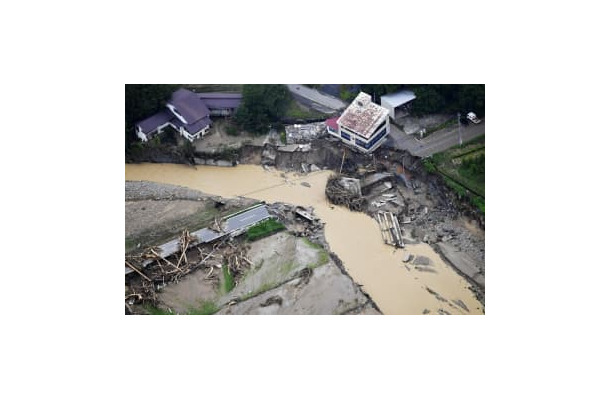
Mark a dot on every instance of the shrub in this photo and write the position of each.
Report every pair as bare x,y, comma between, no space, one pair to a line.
232,130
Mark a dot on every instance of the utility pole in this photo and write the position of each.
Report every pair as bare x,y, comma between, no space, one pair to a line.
459,128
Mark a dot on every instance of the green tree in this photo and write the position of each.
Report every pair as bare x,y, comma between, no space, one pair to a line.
378,90
141,101
261,106
448,99
472,98
428,100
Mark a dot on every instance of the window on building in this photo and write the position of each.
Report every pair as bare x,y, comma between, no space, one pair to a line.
346,136
377,138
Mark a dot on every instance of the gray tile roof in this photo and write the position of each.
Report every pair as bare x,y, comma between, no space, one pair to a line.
195,126
193,107
151,123
221,100
189,105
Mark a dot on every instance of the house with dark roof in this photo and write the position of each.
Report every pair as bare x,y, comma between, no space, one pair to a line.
189,113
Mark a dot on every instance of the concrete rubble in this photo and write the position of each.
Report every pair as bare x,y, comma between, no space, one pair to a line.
297,133
291,148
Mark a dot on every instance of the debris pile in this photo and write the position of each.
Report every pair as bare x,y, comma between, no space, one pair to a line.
305,133
300,221
144,285
345,192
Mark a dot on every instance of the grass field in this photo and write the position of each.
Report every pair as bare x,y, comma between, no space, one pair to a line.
263,229
298,111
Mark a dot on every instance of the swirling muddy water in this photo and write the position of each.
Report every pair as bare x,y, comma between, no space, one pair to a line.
354,237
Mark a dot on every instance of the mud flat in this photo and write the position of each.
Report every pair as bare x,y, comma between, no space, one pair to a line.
394,286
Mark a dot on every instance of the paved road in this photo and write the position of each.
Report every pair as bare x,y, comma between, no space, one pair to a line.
312,95
206,235
436,142
248,218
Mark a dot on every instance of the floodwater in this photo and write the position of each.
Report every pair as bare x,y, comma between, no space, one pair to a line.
354,237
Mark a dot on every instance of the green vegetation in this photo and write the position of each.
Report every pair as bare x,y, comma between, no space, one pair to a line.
283,137
227,280
429,165
263,288
264,229
448,99
287,267
225,152
347,93
204,308
130,244
297,111
152,310
323,255
141,101
163,233
323,258
311,244
463,170
376,91
203,88
188,149
232,130
473,167
261,106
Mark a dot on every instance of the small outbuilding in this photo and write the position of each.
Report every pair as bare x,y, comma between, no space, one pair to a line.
396,102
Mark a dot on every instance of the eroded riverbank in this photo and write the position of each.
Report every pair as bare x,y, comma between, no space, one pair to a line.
354,237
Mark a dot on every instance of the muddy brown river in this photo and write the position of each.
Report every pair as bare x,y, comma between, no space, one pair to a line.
354,237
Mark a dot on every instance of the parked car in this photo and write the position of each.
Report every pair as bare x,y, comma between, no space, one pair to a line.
473,118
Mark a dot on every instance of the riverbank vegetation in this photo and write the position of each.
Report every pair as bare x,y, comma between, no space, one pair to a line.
463,170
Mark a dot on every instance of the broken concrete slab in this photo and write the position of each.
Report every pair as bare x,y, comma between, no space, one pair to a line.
463,262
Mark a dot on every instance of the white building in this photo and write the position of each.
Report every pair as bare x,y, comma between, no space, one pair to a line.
189,113
363,125
393,101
